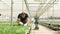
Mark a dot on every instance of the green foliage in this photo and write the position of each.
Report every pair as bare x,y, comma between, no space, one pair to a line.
12,29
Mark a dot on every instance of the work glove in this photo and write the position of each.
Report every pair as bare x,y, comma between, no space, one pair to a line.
25,24
21,23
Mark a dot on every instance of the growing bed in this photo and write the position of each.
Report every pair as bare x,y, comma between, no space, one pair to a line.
6,28
52,25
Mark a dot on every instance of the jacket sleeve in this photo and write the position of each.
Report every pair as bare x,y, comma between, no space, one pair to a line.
19,16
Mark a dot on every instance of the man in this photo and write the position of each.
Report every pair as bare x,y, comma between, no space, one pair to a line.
23,19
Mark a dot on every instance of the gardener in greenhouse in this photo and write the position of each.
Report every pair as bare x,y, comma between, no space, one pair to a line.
23,19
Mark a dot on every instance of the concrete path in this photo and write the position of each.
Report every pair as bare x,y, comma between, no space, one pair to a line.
42,30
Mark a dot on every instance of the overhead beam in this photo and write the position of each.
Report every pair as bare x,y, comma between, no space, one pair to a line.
41,6
42,3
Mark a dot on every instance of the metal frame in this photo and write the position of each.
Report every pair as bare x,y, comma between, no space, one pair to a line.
40,7
41,11
11,12
27,6
46,9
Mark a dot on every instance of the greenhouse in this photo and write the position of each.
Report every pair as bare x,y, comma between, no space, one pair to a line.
44,16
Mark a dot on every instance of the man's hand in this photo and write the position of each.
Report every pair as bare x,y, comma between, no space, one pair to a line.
21,23
25,24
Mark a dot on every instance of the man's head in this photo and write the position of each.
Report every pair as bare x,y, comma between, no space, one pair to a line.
23,14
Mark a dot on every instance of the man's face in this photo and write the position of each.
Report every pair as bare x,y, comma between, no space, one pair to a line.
23,15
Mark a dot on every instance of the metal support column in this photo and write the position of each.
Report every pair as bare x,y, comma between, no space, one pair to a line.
11,11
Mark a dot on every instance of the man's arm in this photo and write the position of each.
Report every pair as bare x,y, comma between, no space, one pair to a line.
18,20
27,20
